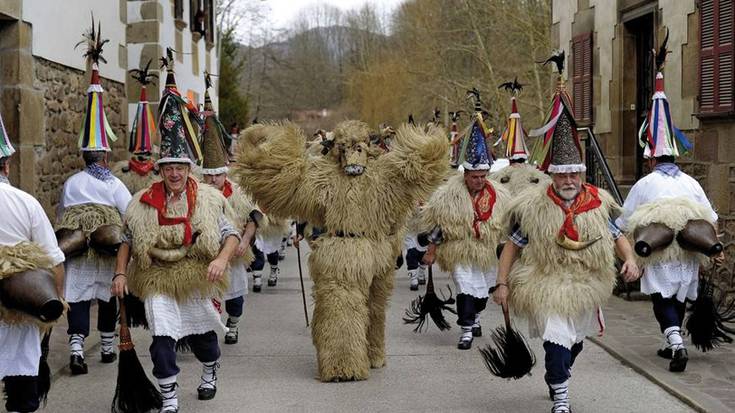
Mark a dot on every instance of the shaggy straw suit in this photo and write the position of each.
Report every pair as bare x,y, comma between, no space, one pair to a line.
549,279
352,263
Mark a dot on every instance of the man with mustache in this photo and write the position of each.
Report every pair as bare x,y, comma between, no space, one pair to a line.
181,243
567,269
468,212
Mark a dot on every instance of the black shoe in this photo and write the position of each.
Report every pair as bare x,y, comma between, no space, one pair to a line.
77,365
665,353
272,282
256,288
206,393
108,358
464,344
477,331
679,361
231,338
413,287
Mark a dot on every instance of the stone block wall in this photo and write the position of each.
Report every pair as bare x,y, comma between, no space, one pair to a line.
64,103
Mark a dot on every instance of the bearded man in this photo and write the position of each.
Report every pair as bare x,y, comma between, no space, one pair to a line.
567,269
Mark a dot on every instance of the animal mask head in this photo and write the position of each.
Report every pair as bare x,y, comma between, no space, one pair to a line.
351,146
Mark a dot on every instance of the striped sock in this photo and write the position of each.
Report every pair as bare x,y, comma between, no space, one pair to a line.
673,337
209,375
76,345
560,393
106,342
168,392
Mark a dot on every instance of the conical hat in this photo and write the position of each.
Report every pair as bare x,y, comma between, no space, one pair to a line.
658,136
179,143
514,135
474,152
96,133
559,151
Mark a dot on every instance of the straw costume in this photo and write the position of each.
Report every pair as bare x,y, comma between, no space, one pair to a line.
139,172
671,199
27,244
90,211
469,221
567,268
174,240
519,175
360,200
243,211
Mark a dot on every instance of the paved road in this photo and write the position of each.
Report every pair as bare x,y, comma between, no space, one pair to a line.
273,369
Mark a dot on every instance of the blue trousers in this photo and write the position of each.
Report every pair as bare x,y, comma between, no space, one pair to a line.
234,306
559,361
163,352
21,393
468,307
413,258
78,317
669,312
259,262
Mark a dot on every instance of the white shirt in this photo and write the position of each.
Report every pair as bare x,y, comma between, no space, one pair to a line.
83,188
656,186
23,219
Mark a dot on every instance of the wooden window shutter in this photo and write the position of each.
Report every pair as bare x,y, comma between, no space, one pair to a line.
179,9
716,74
582,77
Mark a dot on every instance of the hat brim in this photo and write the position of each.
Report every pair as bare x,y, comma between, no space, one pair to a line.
479,167
567,169
174,160
215,171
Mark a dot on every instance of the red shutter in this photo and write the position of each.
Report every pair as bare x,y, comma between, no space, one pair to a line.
716,72
582,77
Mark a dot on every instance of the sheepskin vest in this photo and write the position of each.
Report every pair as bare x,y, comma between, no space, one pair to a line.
89,217
16,259
186,277
518,178
674,213
132,180
450,208
548,279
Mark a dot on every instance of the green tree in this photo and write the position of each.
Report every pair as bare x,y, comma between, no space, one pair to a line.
233,104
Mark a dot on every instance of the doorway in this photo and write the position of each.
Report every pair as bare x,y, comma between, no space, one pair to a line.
638,85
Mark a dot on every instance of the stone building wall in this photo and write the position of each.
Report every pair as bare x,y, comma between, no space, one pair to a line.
64,100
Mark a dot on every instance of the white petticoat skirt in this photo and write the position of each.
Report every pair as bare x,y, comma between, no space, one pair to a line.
20,349
473,281
238,280
677,278
567,331
170,318
88,278
411,241
268,245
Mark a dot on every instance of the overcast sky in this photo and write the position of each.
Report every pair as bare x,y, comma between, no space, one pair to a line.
282,12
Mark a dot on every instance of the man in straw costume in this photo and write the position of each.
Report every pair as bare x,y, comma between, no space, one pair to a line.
139,171
360,200
244,217
467,211
90,212
567,268
27,242
519,175
672,198
181,242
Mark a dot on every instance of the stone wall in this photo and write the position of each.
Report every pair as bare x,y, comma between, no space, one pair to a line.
64,99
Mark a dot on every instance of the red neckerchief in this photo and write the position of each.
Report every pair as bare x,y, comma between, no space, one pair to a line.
227,189
141,168
483,203
588,199
155,196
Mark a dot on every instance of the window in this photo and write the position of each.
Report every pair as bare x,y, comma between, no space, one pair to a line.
582,77
209,19
716,56
178,9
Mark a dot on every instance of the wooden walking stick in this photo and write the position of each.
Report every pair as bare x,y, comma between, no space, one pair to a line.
301,277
